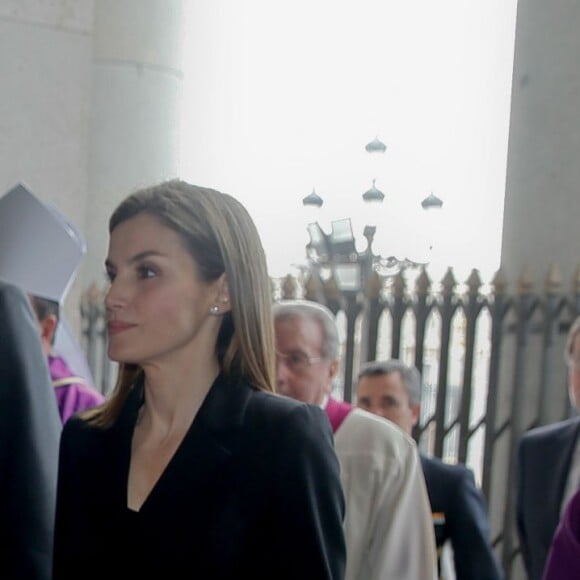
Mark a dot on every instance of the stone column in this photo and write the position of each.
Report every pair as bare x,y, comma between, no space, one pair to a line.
137,79
542,202
542,208
45,67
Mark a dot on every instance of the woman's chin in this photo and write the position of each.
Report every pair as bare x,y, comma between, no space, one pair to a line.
118,356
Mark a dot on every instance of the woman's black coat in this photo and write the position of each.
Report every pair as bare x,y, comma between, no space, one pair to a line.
252,492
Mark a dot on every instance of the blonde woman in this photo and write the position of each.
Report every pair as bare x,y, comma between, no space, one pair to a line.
194,468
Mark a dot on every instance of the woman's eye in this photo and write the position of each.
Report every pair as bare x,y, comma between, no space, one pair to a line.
146,272
109,276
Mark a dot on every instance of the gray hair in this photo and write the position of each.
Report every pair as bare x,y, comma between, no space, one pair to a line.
307,309
409,374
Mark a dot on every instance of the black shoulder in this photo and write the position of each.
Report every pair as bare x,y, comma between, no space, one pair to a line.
77,426
276,403
81,438
551,431
435,468
272,409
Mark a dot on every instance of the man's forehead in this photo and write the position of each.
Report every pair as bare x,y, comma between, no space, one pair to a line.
384,382
299,324
299,333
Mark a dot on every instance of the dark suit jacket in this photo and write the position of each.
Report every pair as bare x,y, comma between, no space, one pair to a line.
29,434
253,491
544,457
460,515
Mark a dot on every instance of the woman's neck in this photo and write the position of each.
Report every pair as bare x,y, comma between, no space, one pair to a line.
173,398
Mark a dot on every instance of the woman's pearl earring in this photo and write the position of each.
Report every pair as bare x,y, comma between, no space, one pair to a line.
214,310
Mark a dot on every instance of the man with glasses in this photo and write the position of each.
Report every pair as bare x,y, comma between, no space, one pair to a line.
388,528
548,471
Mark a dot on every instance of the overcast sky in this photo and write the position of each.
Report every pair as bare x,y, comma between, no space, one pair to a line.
282,97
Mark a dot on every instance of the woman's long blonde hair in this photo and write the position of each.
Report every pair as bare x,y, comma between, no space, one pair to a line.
221,237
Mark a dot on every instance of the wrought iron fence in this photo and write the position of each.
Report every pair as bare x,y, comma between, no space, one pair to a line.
490,358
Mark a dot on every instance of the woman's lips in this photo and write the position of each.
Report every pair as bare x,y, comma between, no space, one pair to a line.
116,327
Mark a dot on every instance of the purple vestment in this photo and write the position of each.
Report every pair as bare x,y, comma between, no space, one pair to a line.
337,412
564,558
72,394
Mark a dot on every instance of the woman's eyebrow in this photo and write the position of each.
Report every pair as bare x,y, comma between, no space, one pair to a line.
136,258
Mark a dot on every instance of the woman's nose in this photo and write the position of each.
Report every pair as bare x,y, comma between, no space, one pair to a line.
116,295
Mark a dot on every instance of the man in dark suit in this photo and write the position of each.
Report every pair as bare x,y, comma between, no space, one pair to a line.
29,437
548,472
392,390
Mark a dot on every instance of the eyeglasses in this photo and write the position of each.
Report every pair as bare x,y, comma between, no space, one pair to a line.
297,360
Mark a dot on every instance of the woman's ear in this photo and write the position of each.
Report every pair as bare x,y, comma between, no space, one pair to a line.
223,295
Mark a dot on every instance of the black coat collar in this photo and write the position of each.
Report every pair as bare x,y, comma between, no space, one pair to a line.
224,407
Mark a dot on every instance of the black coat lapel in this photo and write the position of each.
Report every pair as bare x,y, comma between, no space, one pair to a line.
205,451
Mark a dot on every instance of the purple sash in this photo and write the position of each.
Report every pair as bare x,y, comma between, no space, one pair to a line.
337,413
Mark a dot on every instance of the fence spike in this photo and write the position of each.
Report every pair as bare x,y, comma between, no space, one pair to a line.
331,290
313,288
423,283
473,282
399,285
374,286
289,287
448,282
554,279
499,282
525,281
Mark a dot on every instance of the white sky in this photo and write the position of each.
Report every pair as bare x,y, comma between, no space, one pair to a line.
282,97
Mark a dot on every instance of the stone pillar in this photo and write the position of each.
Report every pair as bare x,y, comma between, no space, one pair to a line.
542,202
45,67
137,79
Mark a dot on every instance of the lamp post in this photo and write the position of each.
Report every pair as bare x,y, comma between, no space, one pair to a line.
333,256
336,253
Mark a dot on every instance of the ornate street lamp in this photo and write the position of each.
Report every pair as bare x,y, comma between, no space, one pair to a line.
336,252
334,260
